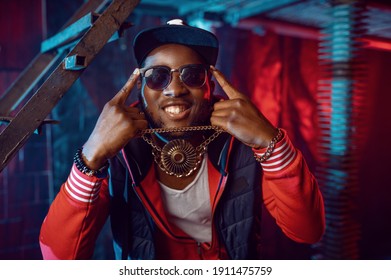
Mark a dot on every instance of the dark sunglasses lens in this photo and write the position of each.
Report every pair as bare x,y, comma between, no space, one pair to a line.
157,78
193,76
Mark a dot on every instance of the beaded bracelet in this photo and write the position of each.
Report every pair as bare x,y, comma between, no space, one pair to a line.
270,147
82,167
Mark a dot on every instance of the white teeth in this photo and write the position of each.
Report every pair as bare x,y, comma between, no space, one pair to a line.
175,109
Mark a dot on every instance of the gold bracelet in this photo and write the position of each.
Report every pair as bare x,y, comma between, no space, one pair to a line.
270,148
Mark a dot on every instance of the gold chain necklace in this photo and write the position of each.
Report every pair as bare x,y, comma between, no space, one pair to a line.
178,157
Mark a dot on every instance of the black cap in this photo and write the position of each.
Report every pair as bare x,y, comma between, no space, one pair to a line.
176,32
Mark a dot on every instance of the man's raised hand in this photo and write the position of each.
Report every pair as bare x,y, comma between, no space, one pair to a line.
116,125
239,116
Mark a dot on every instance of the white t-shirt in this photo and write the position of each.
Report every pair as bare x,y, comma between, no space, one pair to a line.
190,209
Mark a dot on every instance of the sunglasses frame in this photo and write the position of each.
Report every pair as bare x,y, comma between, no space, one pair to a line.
171,70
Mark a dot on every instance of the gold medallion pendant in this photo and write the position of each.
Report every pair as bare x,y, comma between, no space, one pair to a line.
178,157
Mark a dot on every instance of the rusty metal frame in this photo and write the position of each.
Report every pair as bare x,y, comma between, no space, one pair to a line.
42,63
34,112
70,33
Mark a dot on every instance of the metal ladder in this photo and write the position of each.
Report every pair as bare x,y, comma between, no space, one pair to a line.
85,35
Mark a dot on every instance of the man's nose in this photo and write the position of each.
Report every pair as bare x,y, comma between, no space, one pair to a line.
176,88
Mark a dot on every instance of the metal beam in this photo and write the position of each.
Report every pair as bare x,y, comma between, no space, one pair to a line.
251,8
70,33
207,6
30,117
231,10
89,6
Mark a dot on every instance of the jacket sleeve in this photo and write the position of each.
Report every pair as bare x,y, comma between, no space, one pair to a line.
291,193
75,218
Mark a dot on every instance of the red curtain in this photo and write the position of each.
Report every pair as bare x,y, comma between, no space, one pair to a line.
280,74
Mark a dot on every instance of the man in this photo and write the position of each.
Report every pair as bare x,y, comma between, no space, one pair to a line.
181,175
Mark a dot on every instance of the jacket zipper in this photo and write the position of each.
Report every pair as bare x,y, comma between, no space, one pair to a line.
199,250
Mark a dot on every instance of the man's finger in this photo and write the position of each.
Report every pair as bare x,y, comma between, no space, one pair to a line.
124,92
226,104
140,125
222,112
219,121
136,115
133,110
231,92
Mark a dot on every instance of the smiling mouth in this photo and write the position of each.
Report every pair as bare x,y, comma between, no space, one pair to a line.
175,109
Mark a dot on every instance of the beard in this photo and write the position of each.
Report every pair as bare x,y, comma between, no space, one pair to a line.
203,118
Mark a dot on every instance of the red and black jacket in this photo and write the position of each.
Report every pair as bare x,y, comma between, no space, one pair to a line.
239,186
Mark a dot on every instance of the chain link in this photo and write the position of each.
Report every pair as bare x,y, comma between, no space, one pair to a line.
181,129
150,142
208,140
202,146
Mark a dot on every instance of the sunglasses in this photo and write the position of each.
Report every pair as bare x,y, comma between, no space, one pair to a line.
159,77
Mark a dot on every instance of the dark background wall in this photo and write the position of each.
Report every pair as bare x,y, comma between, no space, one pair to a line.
278,72
24,192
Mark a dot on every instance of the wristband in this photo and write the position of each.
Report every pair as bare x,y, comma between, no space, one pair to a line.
82,167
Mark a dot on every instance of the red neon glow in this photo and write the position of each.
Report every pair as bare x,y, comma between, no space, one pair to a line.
377,44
